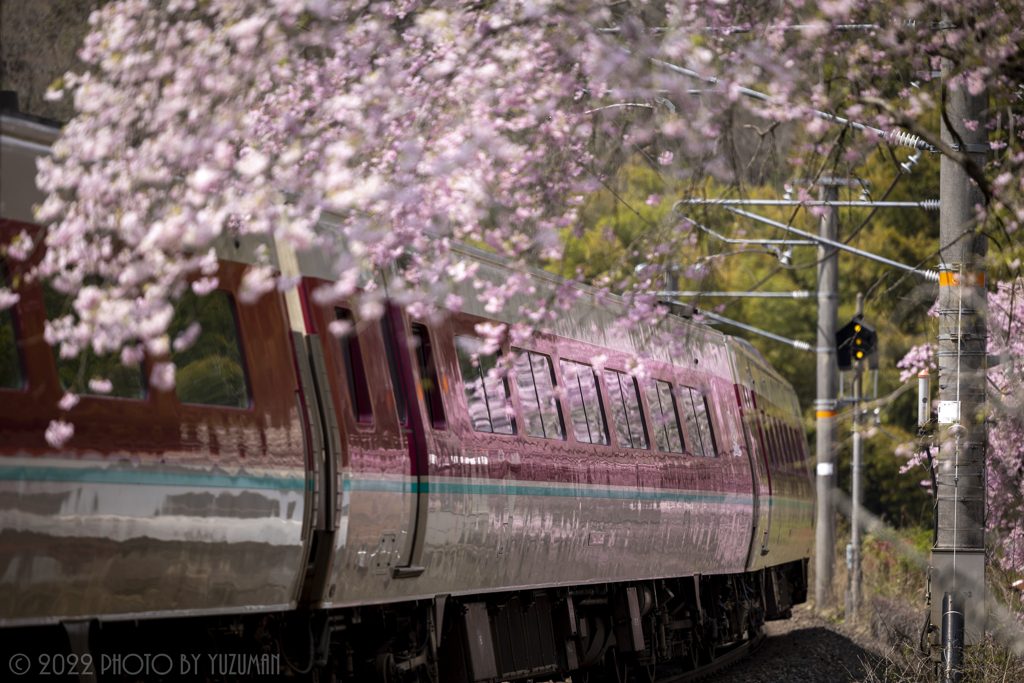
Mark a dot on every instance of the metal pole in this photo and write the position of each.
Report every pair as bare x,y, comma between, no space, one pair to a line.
952,638
825,405
858,446
958,556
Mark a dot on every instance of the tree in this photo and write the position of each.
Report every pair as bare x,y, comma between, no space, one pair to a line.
412,124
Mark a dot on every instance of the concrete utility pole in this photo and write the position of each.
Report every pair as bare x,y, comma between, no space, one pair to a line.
853,593
825,405
958,556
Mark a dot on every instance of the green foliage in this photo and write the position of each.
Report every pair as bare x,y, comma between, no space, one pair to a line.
210,370
10,362
619,224
74,373
620,231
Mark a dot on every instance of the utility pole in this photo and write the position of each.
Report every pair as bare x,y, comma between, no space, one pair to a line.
853,592
958,555
825,405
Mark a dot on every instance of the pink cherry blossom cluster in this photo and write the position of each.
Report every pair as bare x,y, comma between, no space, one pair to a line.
380,134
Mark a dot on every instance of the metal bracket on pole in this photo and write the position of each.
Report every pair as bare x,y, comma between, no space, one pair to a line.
926,274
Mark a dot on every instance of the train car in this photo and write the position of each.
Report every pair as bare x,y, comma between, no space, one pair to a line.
382,507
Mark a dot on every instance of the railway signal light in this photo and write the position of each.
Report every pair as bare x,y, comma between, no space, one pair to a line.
856,341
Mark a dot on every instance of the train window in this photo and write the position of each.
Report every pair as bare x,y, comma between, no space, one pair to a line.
798,451
791,445
535,379
486,394
773,445
664,417
88,372
768,443
387,331
624,396
777,444
698,425
428,376
355,371
586,411
10,360
210,371
787,452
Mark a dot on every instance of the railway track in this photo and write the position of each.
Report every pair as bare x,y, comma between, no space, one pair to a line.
726,658
732,655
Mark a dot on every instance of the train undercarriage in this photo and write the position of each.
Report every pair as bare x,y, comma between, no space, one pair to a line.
659,630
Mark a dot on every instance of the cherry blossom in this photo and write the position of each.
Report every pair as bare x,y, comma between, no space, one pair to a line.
380,135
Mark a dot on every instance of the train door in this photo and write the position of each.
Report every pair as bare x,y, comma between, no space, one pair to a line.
402,344
754,430
366,422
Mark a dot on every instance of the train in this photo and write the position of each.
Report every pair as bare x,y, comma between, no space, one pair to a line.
379,506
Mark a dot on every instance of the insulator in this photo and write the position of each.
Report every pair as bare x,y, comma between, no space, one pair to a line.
930,204
900,139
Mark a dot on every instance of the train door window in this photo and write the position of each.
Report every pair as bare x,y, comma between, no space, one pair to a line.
542,415
355,371
664,417
586,412
206,352
87,372
486,394
624,397
397,388
428,376
695,408
10,360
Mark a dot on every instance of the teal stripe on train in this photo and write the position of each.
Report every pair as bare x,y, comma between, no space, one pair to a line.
509,489
206,480
150,478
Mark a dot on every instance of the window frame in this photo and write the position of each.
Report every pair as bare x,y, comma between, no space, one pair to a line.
644,432
17,335
426,367
359,398
653,385
562,361
243,361
702,395
389,335
84,391
512,415
528,354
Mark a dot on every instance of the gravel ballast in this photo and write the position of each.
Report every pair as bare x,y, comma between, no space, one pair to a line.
804,649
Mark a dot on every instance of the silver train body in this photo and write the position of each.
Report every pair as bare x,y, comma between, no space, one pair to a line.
356,482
